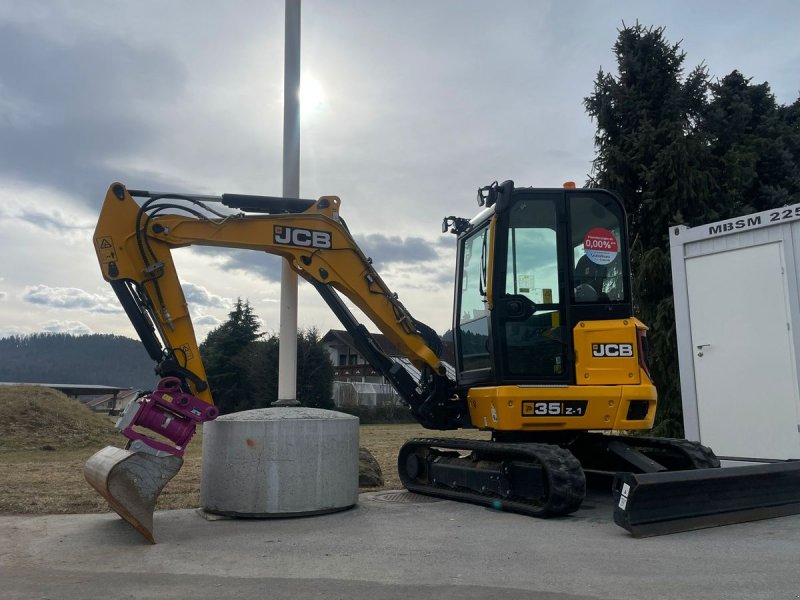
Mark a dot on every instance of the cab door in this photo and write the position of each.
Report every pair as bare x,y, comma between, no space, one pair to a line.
531,341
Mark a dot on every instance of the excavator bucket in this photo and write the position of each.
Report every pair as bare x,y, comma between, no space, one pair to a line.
652,504
131,482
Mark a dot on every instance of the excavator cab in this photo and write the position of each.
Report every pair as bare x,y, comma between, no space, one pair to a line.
543,303
530,268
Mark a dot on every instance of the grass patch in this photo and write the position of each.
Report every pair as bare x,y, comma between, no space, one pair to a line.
37,481
37,418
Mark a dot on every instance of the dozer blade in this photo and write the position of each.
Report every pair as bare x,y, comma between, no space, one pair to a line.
669,502
131,482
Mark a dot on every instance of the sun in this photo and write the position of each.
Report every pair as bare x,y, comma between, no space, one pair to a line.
312,96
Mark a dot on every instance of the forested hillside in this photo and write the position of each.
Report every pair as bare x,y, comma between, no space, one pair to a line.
88,359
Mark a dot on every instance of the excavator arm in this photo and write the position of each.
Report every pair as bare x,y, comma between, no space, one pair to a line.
134,243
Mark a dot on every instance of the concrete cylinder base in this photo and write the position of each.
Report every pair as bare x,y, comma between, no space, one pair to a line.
280,462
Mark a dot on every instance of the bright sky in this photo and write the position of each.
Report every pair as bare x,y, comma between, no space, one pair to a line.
412,106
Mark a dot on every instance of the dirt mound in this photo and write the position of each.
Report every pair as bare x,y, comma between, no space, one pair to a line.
38,418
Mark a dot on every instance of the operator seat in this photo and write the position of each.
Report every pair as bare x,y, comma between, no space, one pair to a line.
589,280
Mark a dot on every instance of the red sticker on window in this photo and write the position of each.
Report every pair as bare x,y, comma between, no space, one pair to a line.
600,246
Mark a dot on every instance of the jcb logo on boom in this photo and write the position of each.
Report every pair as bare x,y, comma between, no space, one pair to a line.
612,350
307,238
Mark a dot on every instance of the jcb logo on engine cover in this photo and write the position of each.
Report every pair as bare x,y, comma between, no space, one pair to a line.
612,350
307,238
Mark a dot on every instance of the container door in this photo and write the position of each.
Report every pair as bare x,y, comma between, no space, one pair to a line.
745,376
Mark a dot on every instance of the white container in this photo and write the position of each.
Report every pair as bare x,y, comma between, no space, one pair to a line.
281,461
737,305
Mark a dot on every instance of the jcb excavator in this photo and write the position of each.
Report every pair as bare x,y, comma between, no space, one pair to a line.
548,356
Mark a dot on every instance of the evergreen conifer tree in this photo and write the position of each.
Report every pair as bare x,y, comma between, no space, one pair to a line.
314,371
242,367
223,355
755,142
651,151
683,150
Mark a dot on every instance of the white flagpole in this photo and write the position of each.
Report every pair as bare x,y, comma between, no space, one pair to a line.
287,352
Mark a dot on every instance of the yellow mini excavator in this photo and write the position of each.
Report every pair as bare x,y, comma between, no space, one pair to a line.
548,356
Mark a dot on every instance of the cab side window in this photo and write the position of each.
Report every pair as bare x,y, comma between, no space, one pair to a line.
473,316
597,250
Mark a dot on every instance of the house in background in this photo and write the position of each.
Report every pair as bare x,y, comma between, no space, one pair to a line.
356,383
348,362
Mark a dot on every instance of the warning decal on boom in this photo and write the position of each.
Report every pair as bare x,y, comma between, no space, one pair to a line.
105,249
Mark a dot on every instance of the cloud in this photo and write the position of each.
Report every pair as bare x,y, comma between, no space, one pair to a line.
72,327
197,295
443,276
55,221
13,331
3,295
385,250
265,265
71,298
206,321
204,324
54,116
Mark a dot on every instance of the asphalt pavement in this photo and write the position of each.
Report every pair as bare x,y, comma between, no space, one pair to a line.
394,545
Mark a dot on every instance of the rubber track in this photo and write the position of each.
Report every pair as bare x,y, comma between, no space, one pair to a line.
565,481
701,457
